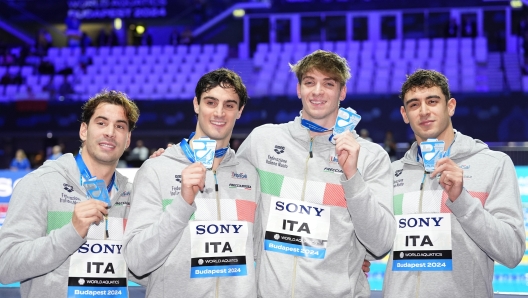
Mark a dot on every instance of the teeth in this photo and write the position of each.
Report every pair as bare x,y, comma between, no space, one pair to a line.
107,145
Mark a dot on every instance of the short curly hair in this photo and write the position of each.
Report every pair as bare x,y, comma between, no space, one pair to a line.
324,61
425,78
224,78
115,98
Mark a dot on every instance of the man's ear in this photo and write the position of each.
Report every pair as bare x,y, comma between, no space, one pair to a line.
404,115
240,112
129,136
83,131
196,105
299,90
451,106
343,93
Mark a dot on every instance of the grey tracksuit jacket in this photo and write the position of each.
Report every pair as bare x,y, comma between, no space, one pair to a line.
486,221
157,238
37,237
294,166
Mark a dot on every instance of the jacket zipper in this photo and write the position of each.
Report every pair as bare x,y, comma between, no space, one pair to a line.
294,275
420,203
219,216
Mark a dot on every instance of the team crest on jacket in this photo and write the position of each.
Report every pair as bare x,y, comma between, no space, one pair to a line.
178,178
279,149
175,190
67,187
333,159
398,183
239,186
236,175
66,198
276,161
398,172
332,170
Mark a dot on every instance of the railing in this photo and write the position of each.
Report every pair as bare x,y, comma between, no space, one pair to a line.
518,151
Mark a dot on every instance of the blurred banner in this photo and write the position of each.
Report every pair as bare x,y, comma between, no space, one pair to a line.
480,116
102,9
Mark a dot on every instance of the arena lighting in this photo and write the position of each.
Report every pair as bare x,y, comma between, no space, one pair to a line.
516,3
140,29
238,13
49,135
118,24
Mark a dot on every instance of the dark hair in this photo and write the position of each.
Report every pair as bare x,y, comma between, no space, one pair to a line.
115,98
424,78
327,62
224,78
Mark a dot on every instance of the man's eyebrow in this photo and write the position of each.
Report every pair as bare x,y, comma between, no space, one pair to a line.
416,99
410,100
100,117
214,98
105,118
433,96
325,79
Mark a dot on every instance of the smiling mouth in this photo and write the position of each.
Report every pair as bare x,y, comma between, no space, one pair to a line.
106,145
317,102
218,123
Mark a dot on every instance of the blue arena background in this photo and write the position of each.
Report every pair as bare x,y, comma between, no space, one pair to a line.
505,280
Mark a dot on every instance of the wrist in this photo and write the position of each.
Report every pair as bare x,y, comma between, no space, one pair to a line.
350,173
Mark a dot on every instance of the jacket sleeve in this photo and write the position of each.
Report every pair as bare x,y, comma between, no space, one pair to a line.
257,225
244,152
140,280
152,233
498,226
369,201
26,250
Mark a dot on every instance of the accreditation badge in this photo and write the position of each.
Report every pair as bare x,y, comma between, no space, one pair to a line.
218,248
297,228
423,243
98,269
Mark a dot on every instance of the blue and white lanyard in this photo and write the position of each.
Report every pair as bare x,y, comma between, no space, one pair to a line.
314,127
86,175
184,144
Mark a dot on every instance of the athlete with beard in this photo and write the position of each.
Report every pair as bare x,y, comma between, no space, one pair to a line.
51,218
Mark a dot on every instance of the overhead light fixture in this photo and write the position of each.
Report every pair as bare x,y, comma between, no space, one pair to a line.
238,13
118,24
